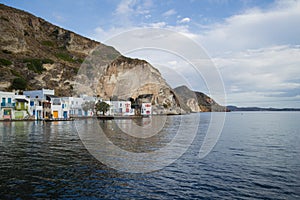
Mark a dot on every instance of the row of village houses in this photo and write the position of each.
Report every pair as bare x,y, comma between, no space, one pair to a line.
43,104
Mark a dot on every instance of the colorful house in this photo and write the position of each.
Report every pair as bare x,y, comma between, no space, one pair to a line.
7,105
21,107
13,106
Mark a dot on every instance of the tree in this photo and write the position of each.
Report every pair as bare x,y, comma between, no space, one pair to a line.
101,107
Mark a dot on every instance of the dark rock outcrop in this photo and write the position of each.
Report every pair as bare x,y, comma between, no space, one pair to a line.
198,101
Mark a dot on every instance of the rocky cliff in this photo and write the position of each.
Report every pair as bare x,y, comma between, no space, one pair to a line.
36,54
127,78
198,101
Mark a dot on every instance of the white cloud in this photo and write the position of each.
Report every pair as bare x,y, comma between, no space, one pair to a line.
158,25
271,72
257,53
169,13
173,62
255,29
128,9
125,7
184,20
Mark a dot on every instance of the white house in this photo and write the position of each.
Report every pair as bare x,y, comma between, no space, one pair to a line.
38,94
36,108
91,100
74,105
120,108
56,108
40,107
146,109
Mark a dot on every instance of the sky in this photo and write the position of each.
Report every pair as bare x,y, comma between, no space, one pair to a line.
253,45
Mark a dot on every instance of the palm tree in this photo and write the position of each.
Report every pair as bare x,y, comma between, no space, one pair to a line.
101,107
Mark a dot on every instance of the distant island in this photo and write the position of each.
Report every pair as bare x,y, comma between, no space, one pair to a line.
235,108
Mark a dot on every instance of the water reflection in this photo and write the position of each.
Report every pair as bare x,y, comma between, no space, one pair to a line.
110,145
49,161
114,131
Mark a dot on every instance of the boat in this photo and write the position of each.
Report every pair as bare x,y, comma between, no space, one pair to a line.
58,119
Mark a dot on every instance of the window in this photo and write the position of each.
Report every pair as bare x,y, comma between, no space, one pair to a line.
9,100
31,103
3,100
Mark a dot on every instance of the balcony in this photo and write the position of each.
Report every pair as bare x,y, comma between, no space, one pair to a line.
7,105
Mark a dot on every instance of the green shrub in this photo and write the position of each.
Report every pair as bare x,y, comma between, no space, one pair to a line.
15,73
65,57
19,84
79,60
47,43
5,62
76,70
36,65
47,61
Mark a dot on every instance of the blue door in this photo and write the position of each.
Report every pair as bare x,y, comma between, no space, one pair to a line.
65,114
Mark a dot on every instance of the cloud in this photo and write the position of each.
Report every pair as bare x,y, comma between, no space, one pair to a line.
127,10
255,29
184,20
257,53
169,13
272,73
158,25
125,7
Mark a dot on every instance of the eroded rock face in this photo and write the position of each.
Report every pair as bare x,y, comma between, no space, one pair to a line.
129,78
193,104
44,55
126,78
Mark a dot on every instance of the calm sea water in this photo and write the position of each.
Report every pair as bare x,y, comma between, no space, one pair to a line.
256,157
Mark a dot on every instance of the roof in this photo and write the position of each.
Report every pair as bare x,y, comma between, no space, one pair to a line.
21,100
49,97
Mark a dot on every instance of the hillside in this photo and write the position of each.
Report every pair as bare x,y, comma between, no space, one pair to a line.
198,101
36,54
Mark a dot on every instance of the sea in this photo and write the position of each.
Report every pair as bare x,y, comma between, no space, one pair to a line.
256,155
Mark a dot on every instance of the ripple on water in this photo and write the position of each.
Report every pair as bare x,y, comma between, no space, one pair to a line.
257,157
